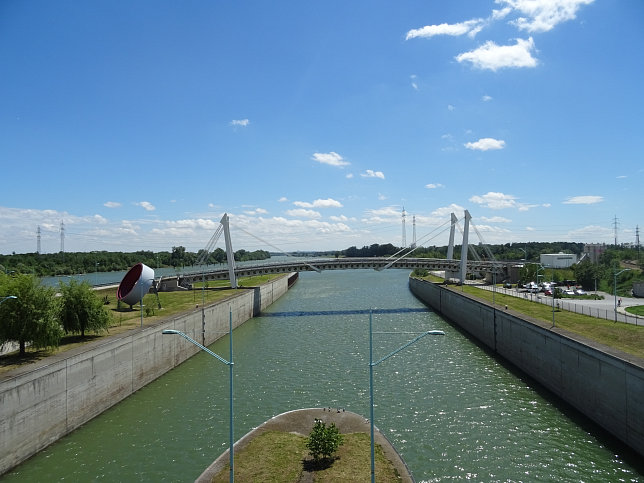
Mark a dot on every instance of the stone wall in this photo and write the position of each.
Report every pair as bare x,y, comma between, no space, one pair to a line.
605,385
38,405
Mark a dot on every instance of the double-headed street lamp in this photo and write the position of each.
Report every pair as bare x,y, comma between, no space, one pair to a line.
7,298
230,364
371,366
615,288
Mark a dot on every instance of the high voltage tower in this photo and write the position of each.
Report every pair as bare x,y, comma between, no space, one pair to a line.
413,240
404,230
62,237
615,226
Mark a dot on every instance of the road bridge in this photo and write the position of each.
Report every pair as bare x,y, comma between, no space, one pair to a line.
374,263
457,269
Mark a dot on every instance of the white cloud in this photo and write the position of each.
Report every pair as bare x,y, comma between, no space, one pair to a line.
240,122
283,199
432,186
112,204
302,213
493,57
450,107
146,205
373,174
332,159
495,201
328,203
414,84
495,219
256,211
381,197
469,27
544,15
446,211
349,175
486,98
486,144
584,200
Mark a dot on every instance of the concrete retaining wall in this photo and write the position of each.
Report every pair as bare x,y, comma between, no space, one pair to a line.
38,406
603,384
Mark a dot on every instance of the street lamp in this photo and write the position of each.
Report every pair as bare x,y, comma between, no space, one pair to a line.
7,298
371,366
230,366
615,288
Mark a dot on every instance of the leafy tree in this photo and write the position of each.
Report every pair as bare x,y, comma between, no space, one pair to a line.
585,273
323,441
81,310
31,318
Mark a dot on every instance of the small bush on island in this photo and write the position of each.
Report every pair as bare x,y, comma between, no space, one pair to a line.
323,442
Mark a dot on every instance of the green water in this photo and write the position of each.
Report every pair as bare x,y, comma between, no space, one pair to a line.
452,411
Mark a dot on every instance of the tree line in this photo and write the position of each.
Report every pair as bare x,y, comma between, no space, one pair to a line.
71,263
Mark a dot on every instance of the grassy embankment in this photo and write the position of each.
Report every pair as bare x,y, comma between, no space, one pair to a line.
628,338
125,319
282,457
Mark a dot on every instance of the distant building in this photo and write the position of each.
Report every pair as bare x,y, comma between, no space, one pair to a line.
558,260
594,250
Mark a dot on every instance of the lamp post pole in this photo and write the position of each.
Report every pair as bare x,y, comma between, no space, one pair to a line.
371,366
615,288
230,364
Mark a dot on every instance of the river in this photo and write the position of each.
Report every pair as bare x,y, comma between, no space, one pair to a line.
450,408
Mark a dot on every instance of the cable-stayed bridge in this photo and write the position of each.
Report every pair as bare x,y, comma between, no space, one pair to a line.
454,269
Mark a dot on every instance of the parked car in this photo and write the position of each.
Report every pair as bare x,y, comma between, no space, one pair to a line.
507,285
580,291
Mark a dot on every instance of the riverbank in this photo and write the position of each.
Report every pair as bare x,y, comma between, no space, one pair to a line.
604,384
43,402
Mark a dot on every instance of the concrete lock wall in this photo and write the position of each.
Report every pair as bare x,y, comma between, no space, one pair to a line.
39,406
603,384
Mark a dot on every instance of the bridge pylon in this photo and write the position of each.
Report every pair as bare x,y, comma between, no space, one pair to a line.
465,247
230,254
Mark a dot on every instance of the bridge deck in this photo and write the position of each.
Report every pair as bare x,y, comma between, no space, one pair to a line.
431,264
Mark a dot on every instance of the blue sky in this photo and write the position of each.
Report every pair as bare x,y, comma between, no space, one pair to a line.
312,124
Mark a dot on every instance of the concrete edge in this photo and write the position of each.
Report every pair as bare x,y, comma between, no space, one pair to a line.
300,421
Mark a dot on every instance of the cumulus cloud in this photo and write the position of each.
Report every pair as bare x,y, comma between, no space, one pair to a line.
302,213
283,199
543,15
486,98
112,204
240,122
328,203
495,201
584,200
146,205
493,57
486,144
373,174
433,186
469,27
332,159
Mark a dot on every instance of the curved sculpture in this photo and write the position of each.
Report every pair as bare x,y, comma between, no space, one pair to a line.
135,284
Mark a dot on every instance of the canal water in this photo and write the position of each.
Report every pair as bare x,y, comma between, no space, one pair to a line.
450,408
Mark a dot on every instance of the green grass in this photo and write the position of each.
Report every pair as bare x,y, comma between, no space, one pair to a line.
637,310
628,338
282,457
125,319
